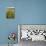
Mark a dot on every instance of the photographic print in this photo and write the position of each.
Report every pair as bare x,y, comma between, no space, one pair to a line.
10,13
30,34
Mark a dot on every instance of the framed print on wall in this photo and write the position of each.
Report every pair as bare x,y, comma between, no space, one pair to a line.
10,13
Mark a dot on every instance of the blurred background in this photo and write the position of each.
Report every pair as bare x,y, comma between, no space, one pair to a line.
27,12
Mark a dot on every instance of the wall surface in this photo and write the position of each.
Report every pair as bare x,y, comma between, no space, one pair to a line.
31,11
27,12
6,25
